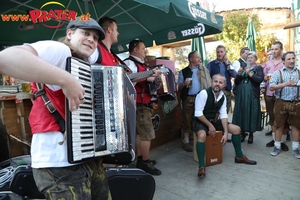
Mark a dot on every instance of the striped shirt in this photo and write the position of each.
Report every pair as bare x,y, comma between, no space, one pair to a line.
288,93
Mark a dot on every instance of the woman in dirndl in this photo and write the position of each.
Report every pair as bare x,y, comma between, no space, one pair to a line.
247,110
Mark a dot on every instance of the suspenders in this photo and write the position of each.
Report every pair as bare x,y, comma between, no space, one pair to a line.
281,80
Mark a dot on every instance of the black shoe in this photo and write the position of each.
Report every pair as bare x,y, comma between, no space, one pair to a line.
284,147
153,161
149,168
250,139
270,144
268,133
139,163
243,136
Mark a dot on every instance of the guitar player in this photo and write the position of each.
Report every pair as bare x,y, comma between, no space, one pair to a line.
144,108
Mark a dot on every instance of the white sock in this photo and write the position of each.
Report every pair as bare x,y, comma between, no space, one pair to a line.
295,145
283,138
186,140
277,144
273,136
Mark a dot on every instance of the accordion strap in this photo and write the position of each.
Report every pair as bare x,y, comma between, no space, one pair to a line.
42,92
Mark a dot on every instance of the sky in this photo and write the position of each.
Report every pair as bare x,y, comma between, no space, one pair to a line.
223,5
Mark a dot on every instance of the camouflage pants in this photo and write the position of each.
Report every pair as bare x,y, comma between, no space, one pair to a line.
79,182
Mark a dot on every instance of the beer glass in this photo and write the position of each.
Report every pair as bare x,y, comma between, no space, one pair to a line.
189,85
269,77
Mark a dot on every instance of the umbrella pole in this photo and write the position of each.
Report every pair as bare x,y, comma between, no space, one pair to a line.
86,6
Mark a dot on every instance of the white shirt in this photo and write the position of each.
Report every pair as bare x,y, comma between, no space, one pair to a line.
200,103
45,150
94,57
132,66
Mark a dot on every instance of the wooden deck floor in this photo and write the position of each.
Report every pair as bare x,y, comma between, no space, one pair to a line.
272,178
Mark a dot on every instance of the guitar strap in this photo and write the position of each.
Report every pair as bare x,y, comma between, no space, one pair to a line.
136,62
42,92
119,59
99,60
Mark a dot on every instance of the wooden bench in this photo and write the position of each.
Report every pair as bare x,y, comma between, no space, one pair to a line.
14,112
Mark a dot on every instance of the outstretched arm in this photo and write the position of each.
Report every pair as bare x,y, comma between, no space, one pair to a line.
22,62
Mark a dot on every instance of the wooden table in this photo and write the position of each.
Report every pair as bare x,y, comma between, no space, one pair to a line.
14,112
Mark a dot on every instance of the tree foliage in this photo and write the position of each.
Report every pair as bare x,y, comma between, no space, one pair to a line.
234,33
180,54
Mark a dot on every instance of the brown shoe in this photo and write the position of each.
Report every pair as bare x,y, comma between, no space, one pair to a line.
244,160
201,172
187,147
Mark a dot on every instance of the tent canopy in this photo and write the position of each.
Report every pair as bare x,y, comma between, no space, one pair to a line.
160,21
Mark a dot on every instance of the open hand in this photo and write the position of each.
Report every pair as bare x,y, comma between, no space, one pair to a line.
187,81
224,139
240,71
290,83
157,72
212,131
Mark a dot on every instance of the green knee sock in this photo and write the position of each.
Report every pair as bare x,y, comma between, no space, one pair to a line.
200,146
236,141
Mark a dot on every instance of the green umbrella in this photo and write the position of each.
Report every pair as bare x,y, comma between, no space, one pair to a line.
251,36
162,21
198,44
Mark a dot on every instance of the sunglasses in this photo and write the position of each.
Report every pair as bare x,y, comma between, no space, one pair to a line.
135,42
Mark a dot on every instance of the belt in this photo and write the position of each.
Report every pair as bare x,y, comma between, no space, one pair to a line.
291,101
192,95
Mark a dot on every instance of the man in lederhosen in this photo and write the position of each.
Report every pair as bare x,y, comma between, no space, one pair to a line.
286,84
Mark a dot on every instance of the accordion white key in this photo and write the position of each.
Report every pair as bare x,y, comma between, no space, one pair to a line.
105,124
